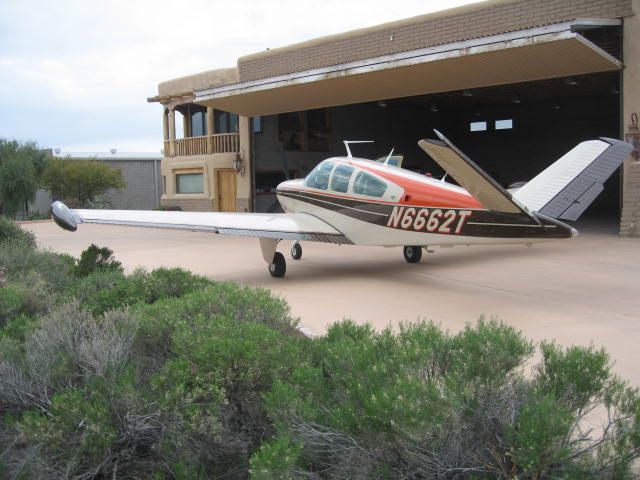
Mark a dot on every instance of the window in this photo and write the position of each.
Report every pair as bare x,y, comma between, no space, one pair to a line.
477,126
340,179
366,184
307,131
504,124
256,124
225,122
189,183
198,123
319,176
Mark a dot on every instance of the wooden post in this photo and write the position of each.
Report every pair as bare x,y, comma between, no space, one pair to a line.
210,129
172,132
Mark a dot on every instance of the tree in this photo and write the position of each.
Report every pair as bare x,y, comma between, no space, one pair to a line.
79,182
21,167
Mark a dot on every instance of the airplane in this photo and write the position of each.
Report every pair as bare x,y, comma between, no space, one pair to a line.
349,200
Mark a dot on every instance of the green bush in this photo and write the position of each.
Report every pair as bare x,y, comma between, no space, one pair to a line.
10,231
97,259
18,261
28,298
166,374
426,404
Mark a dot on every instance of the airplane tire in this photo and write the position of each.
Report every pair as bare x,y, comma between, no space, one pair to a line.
412,254
278,267
296,251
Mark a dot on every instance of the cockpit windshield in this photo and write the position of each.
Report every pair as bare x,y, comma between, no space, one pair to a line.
319,176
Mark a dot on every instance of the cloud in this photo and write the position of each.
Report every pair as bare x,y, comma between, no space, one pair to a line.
70,59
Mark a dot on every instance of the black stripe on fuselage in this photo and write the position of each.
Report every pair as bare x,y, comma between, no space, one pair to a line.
452,221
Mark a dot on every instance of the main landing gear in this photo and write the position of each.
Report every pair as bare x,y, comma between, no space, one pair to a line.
278,267
412,254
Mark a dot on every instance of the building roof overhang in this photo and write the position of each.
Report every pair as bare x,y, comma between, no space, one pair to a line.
525,55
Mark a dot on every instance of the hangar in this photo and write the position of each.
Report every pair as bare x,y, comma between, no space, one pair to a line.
514,83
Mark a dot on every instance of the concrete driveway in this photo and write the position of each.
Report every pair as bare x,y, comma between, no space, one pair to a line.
580,291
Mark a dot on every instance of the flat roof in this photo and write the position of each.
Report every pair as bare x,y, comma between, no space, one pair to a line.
108,155
532,54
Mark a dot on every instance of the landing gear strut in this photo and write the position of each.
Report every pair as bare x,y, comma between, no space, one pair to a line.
296,250
278,267
412,254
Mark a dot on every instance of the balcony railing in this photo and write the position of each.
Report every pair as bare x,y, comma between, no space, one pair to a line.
219,143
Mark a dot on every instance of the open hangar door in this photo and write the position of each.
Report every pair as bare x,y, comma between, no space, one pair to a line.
512,131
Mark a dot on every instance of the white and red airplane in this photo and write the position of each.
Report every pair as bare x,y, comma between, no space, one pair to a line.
348,200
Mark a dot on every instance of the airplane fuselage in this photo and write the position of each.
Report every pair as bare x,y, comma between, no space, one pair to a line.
377,204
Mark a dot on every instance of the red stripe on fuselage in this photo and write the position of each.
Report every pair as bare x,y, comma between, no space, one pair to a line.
418,192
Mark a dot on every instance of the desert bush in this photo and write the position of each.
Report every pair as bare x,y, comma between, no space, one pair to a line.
68,348
11,231
164,283
18,261
97,259
426,404
29,298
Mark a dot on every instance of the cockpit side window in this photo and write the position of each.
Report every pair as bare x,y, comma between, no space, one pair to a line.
319,176
340,179
367,184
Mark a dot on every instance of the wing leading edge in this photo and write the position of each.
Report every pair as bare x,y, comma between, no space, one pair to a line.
285,226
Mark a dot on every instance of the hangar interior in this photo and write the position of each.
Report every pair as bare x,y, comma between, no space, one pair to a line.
512,131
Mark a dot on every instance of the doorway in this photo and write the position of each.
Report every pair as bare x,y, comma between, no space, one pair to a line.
226,190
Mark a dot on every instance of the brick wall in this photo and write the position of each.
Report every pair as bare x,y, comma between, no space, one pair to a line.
473,21
630,221
139,193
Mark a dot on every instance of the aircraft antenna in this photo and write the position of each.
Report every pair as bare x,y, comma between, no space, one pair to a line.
444,177
347,142
386,162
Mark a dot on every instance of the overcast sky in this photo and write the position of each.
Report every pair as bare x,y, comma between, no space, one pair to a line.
75,74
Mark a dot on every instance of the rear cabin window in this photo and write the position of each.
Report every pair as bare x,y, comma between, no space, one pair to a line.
319,176
366,184
340,179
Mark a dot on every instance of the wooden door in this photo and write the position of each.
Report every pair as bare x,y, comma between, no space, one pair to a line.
226,190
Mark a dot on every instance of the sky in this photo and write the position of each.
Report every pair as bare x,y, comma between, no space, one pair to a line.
75,74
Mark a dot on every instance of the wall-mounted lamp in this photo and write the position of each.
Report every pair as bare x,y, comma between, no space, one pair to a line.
238,165
633,136
434,108
571,81
467,93
516,99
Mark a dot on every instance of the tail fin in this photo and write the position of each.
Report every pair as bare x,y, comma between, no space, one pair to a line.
566,188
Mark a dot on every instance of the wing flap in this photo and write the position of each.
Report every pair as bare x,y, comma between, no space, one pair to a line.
469,175
290,226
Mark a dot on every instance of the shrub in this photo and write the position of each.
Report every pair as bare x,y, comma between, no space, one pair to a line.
18,261
28,298
79,182
426,404
10,231
97,259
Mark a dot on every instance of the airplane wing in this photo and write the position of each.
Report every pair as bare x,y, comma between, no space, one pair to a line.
286,226
470,176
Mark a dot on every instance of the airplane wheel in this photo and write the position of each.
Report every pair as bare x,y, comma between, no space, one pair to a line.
296,251
412,254
278,267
